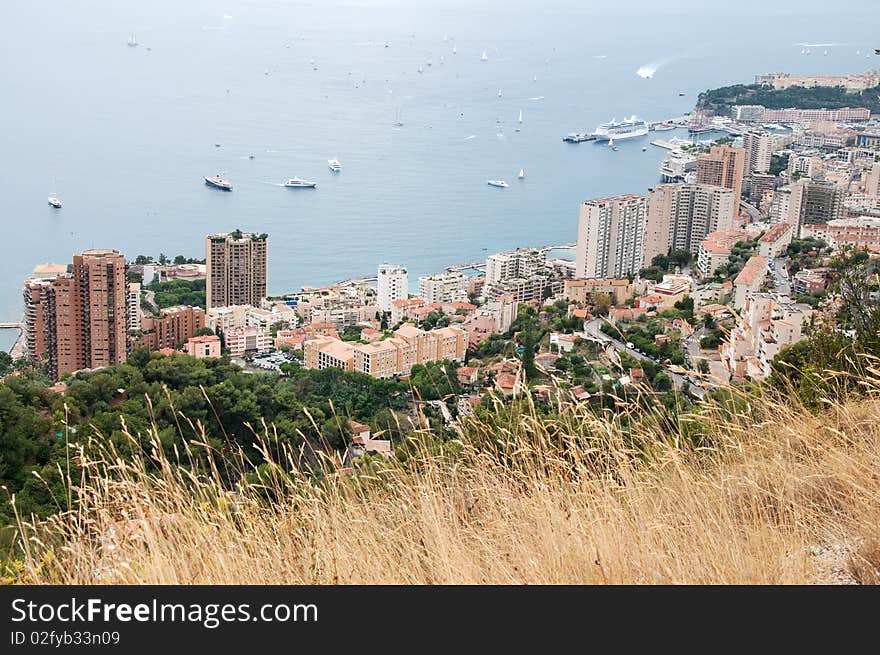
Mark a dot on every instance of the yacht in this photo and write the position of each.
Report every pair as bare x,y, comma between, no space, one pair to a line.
218,182
624,129
55,202
498,183
299,183
334,165
663,127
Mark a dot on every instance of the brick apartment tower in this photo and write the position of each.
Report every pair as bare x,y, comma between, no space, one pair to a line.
77,320
723,166
237,269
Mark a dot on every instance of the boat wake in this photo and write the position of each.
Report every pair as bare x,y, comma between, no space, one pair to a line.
647,71
472,136
536,98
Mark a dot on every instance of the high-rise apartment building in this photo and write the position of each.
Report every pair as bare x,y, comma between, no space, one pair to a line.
444,287
510,265
723,166
393,284
872,180
758,149
814,202
681,215
133,307
237,269
611,237
78,320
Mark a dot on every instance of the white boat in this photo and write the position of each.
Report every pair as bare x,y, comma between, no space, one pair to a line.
54,201
624,129
454,50
522,173
483,57
611,144
132,41
218,182
535,78
442,60
499,93
421,70
334,165
499,183
663,127
299,183
397,121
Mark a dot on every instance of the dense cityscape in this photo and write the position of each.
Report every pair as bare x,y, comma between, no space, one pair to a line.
706,281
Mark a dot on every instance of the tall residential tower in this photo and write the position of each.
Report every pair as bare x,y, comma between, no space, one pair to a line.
611,237
237,269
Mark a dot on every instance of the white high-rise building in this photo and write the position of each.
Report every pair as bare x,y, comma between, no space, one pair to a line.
444,287
759,148
611,236
393,283
510,265
133,307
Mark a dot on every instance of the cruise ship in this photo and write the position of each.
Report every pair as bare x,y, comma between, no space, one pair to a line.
624,129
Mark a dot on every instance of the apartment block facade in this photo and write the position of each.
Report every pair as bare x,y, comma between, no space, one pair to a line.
681,215
393,284
723,166
611,237
79,320
387,358
445,287
237,269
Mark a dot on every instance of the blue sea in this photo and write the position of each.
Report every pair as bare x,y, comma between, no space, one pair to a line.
124,135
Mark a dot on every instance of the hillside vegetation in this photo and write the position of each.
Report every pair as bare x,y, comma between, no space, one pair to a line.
720,100
748,489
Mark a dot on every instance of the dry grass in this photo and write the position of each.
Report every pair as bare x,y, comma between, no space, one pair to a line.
516,499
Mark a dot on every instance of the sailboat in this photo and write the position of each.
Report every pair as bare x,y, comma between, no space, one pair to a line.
455,50
132,41
611,144
519,120
499,93
484,57
522,174
397,121
535,78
